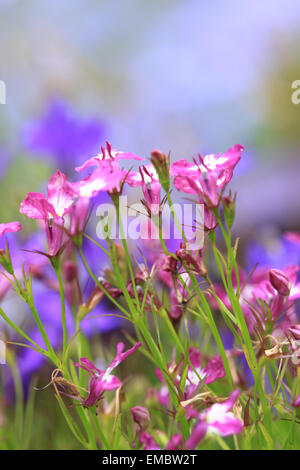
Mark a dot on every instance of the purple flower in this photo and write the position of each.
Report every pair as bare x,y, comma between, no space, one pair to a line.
214,370
274,252
47,303
63,135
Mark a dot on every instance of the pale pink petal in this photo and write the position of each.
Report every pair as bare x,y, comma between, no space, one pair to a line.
36,206
60,193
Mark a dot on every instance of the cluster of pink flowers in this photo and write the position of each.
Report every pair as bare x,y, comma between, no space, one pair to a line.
65,208
266,297
267,300
217,419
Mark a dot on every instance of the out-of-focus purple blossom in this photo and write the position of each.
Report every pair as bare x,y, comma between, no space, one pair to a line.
47,304
273,252
63,136
103,318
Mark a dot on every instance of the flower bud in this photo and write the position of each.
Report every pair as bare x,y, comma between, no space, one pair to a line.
141,417
95,297
161,163
5,259
70,271
280,282
296,403
229,209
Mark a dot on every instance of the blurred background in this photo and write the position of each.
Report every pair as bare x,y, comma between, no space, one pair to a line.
186,77
182,76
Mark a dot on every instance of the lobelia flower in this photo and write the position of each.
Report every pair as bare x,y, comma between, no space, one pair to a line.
28,360
78,215
104,316
108,155
259,294
32,262
214,370
218,419
107,177
148,179
63,136
195,378
149,442
51,210
274,251
103,380
207,178
174,442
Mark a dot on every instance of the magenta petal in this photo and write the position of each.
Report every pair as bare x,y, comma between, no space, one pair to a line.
54,232
120,356
110,382
10,227
229,426
36,206
94,161
197,435
95,391
60,193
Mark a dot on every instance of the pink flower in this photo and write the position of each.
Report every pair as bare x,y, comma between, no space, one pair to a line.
148,179
107,177
195,378
259,294
107,154
79,215
207,178
293,237
149,442
174,442
103,380
10,227
218,419
214,370
52,209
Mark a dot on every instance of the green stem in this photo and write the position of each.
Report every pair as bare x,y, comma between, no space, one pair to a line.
63,309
